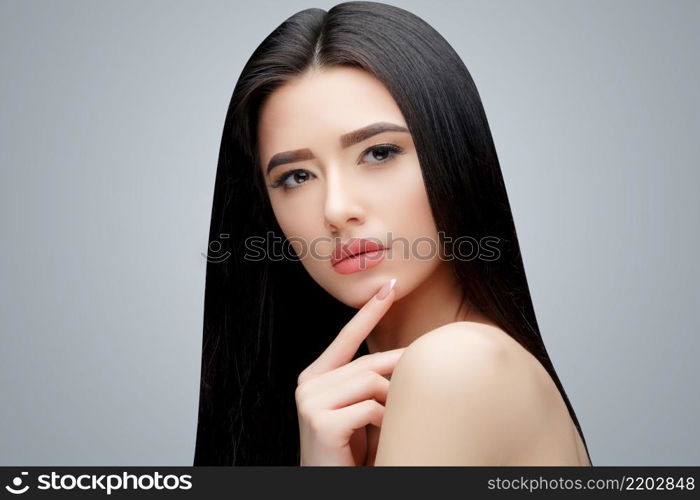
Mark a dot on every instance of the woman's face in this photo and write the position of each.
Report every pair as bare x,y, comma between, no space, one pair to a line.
328,186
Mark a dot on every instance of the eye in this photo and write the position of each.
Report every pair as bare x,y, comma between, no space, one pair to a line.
295,174
385,151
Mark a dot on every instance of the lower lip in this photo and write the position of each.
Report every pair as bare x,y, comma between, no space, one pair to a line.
360,262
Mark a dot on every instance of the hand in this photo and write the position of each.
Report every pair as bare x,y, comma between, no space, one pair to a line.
337,398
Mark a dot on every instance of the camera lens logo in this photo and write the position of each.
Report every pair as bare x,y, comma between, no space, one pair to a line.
17,482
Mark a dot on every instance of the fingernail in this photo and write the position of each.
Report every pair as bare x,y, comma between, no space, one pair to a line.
384,291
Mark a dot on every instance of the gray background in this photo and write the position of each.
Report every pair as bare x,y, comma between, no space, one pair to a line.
109,134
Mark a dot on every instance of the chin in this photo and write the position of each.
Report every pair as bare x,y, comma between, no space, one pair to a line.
358,294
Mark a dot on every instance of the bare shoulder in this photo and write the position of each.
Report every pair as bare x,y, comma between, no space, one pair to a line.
465,394
463,335
467,348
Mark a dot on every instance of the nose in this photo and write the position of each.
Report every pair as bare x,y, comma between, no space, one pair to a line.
342,208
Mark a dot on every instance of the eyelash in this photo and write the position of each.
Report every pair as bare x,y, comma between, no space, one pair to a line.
392,149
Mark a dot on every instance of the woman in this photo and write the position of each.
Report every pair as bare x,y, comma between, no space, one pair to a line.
360,130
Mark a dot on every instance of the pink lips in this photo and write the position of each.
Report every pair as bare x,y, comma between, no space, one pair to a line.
357,255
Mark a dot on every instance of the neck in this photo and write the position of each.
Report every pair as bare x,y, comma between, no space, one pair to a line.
435,302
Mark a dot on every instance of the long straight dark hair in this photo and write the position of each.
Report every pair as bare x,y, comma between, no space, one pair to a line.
265,320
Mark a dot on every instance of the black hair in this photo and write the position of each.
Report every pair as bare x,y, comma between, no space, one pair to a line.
258,335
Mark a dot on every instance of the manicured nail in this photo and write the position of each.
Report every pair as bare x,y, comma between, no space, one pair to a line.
384,291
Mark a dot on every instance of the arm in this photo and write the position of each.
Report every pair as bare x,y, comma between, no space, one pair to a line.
459,396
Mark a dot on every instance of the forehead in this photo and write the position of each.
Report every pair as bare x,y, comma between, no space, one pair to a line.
320,106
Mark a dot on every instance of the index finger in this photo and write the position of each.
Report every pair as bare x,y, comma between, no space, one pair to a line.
348,340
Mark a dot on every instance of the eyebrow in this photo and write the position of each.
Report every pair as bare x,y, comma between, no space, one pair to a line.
346,140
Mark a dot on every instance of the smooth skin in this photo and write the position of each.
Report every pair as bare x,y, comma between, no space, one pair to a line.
469,394
442,384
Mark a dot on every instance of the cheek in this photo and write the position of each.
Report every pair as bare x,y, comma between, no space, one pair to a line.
409,208
296,222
